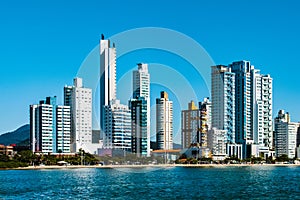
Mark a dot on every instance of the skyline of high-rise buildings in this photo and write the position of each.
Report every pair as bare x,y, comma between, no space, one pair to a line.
242,105
238,118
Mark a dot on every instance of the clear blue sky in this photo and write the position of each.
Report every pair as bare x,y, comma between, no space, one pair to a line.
43,43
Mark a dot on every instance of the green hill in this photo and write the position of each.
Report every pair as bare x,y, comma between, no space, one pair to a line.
21,135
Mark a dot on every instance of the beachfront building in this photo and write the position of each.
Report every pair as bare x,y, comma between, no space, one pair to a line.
205,121
140,111
253,108
117,126
108,89
139,129
50,127
262,123
222,109
242,105
164,122
217,143
79,99
190,125
285,135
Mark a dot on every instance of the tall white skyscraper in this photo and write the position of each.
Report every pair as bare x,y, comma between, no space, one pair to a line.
223,101
108,88
117,126
164,122
115,118
141,94
262,109
63,129
50,127
285,135
80,101
243,106
253,110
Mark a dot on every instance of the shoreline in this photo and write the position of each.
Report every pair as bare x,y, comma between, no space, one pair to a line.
150,166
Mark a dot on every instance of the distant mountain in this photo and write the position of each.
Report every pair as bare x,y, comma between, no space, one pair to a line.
19,136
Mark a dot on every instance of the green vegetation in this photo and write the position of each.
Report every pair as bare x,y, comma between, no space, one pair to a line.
283,158
234,160
7,162
184,160
27,158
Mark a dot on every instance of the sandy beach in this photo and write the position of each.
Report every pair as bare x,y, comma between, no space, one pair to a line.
153,166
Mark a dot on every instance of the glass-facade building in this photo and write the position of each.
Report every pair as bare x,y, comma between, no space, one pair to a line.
140,102
139,129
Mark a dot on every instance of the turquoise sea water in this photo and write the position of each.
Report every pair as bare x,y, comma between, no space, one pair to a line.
259,182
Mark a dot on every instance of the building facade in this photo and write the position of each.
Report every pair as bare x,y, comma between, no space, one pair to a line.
285,135
139,129
80,101
243,107
190,125
108,90
63,128
262,123
164,122
205,121
141,94
117,126
50,127
223,101
217,143
253,95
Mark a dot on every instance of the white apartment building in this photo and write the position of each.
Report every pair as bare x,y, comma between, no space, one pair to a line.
164,122
117,126
80,101
217,143
108,89
285,135
50,127
262,110
223,101
63,128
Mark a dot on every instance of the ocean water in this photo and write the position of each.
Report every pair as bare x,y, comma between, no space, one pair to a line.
258,182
